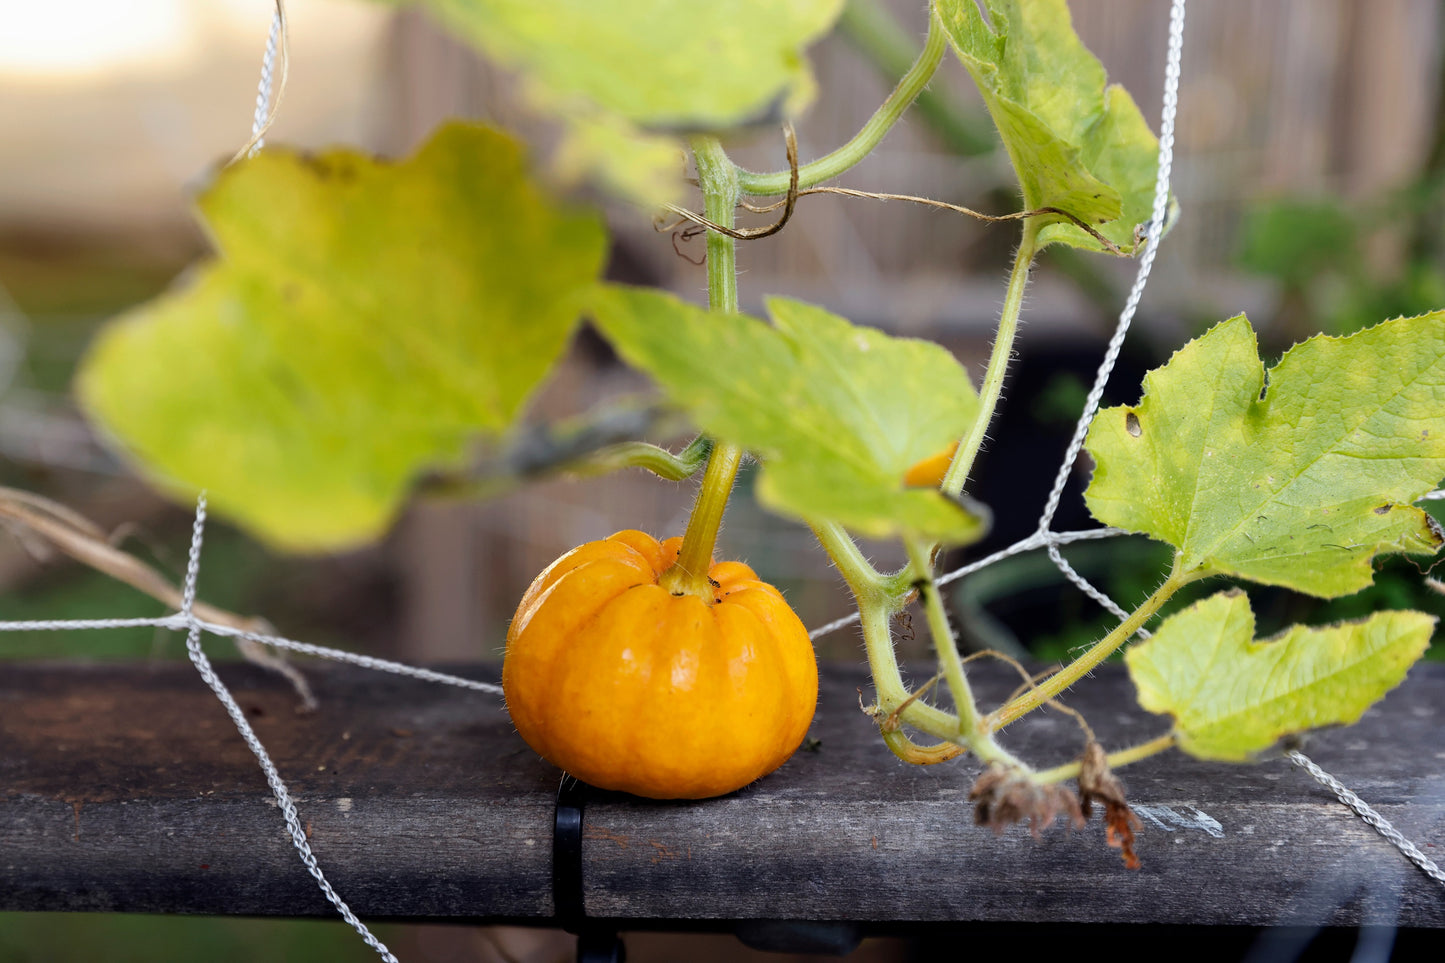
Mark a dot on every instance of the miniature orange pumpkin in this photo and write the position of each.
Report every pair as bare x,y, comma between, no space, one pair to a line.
929,472
629,686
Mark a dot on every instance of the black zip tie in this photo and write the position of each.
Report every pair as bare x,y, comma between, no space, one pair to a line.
596,941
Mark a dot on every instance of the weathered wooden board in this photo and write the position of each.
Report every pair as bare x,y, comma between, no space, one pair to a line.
125,788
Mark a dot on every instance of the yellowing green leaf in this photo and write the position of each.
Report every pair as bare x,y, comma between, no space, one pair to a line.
363,321
838,412
1232,697
1299,485
614,70
612,152
1076,144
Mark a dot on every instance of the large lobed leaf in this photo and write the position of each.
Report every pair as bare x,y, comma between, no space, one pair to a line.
1299,485
1232,697
363,322
838,412
614,70
1076,143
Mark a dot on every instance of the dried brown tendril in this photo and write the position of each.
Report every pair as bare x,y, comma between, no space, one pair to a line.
1097,783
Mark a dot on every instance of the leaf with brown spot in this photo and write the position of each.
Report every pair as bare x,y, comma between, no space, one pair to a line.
1296,477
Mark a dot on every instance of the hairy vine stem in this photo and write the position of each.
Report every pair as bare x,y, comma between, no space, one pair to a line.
871,134
893,695
871,28
998,360
978,737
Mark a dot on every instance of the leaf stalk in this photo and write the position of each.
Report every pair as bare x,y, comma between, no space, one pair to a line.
1084,664
869,136
1115,759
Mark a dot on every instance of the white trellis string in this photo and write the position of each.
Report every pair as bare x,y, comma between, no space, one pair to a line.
181,623
262,116
1366,812
273,778
185,620
277,46
1154,233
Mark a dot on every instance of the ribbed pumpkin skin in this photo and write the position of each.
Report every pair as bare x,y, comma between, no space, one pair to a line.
625,686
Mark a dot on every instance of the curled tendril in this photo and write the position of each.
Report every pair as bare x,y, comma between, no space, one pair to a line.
753,233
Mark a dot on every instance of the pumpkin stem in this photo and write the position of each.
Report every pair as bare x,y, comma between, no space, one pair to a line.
718,178
689,574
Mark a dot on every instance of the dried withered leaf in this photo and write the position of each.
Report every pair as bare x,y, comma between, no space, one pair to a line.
1097,783
1005,795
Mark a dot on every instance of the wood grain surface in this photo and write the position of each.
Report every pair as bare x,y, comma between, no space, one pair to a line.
125,788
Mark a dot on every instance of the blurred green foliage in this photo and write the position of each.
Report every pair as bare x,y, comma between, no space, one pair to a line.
1295,240
1325,254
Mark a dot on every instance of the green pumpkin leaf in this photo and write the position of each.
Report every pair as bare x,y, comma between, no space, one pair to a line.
838,412
613,71
1233,697
363,321
1076,144
1299,485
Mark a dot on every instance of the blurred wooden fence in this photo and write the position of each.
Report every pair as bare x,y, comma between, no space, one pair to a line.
1327,96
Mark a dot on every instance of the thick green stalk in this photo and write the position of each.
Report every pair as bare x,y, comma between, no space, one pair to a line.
998,360
690,573
877,615
865,580
717,176
943,641
1084,664
878,599
877,606
873,132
